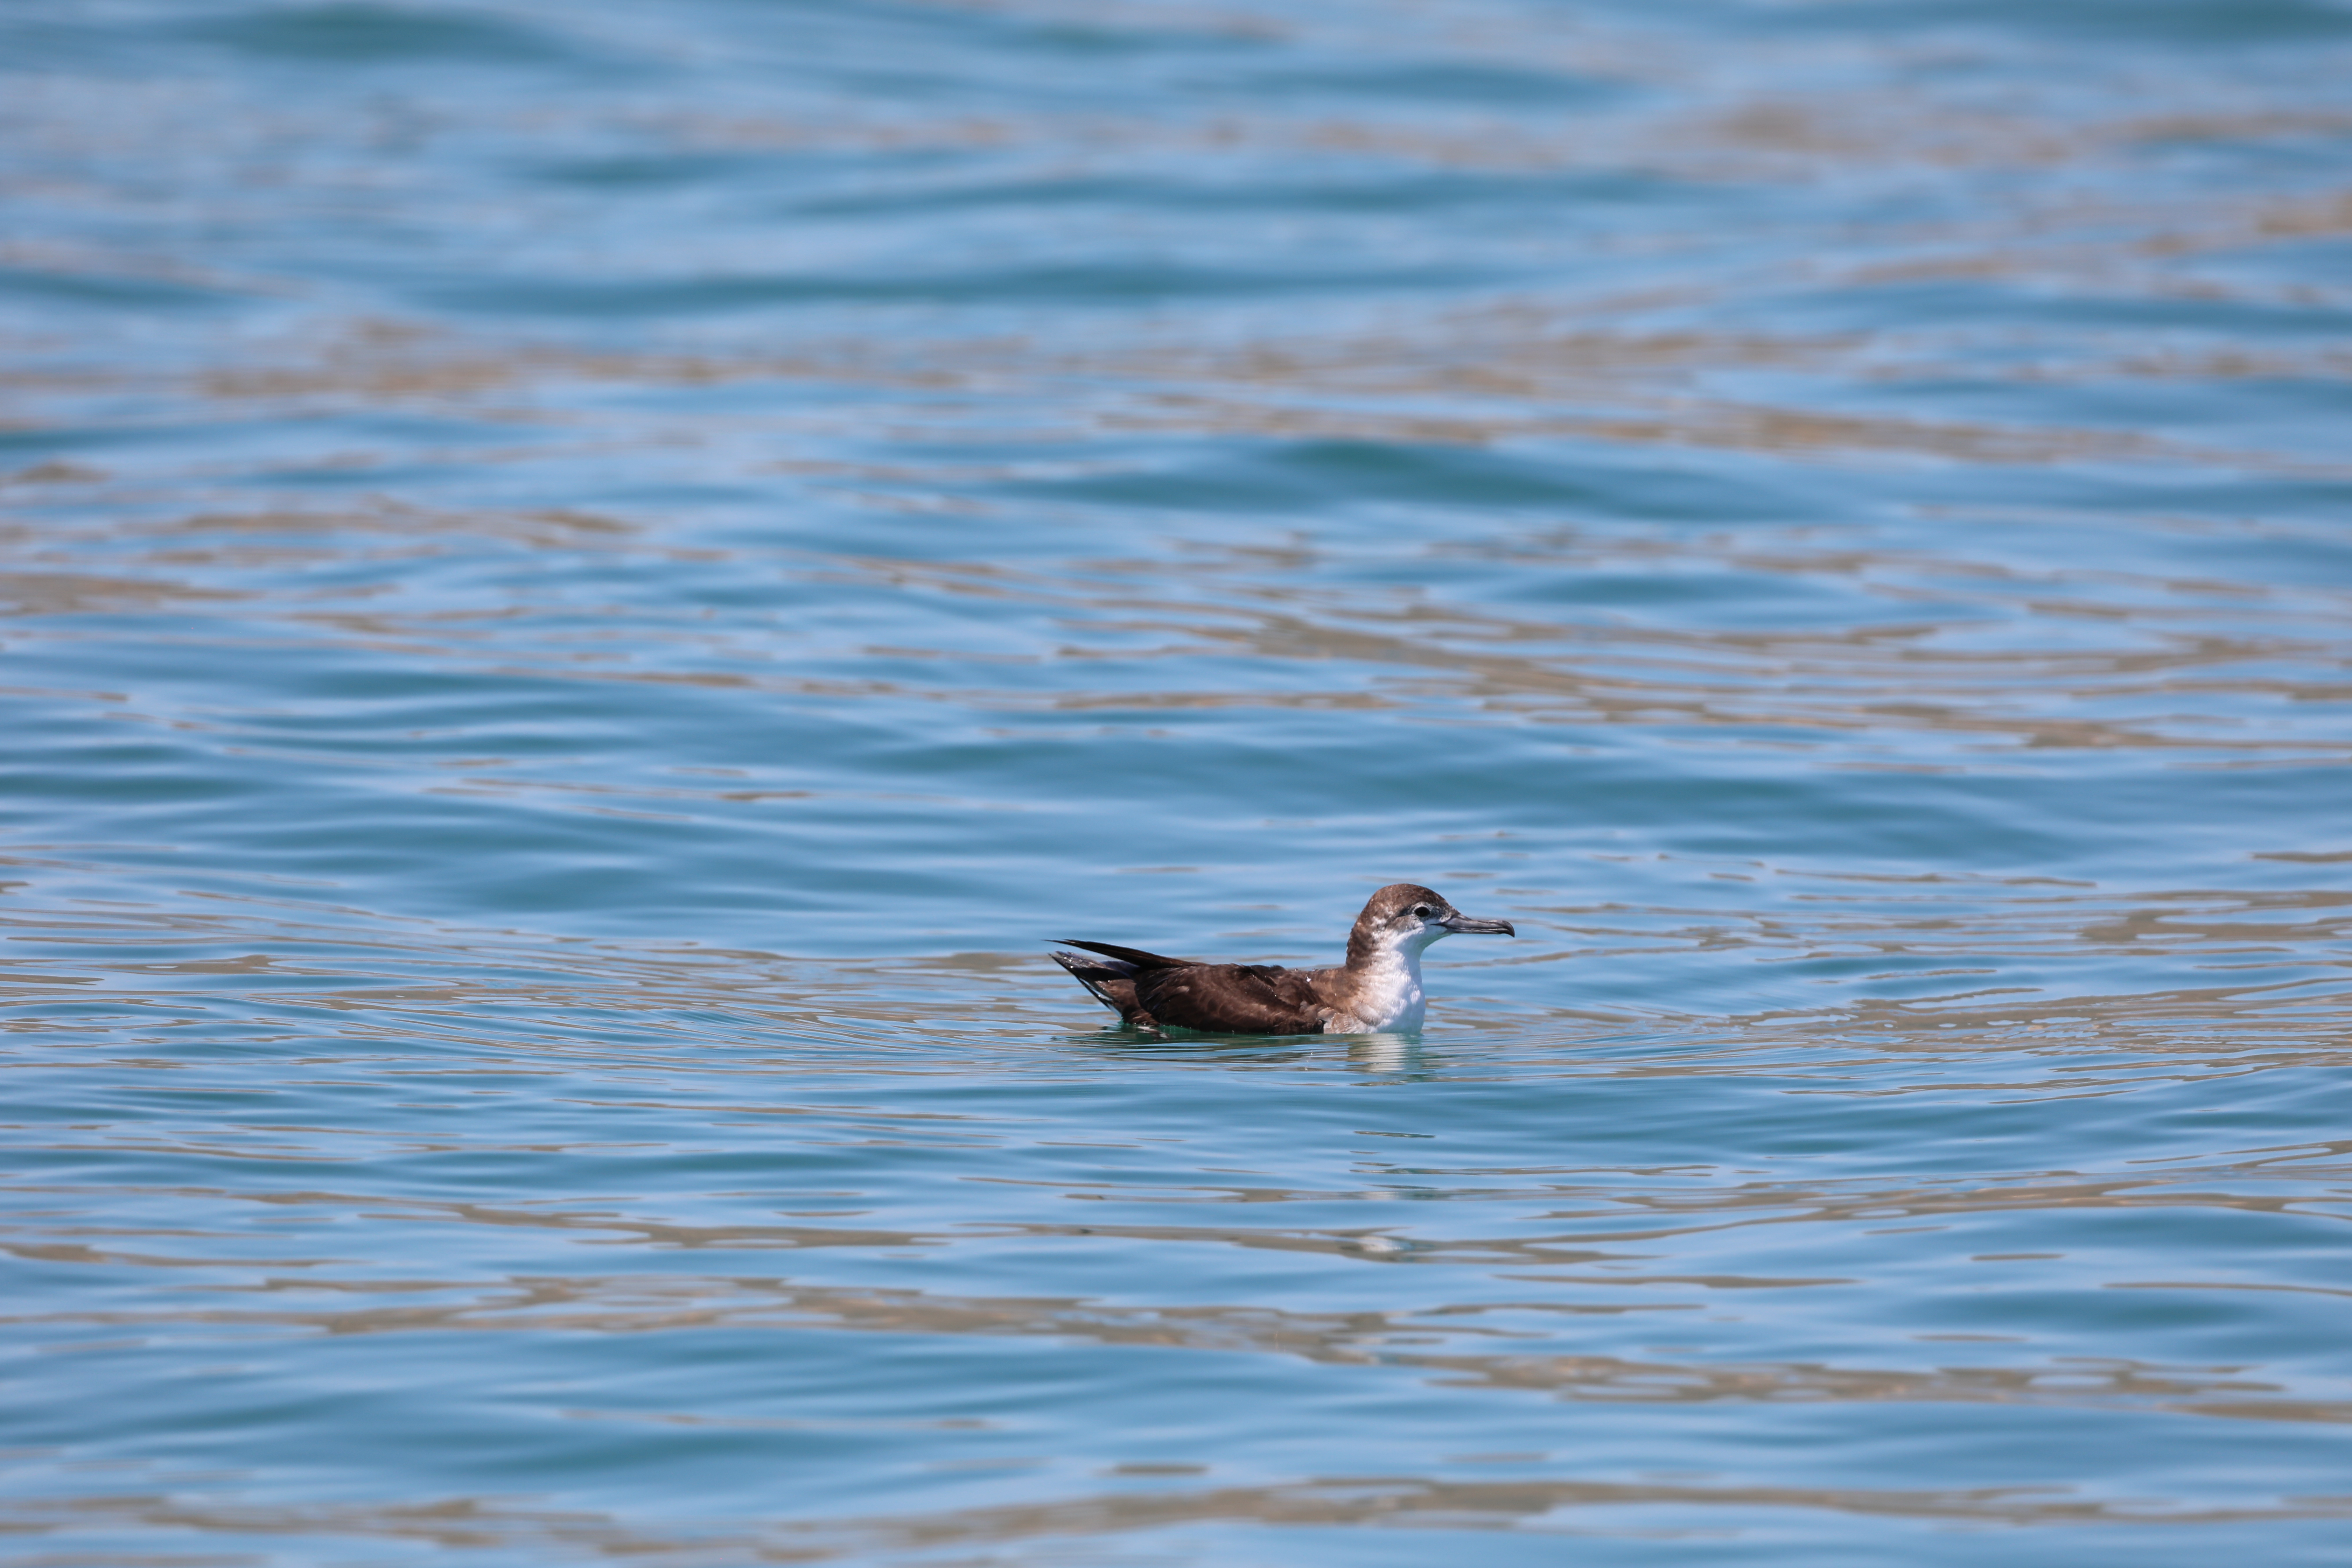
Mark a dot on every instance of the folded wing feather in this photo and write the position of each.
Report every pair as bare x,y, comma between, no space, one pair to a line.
1233,998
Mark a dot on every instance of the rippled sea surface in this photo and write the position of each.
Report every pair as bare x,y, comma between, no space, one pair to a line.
584,587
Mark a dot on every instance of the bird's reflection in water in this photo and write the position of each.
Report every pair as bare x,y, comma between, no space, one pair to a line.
1372,1053
1386,1053
1174,1045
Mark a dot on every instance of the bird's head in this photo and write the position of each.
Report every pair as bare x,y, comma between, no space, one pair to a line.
1408,917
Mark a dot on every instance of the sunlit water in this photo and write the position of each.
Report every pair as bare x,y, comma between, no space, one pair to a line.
586,587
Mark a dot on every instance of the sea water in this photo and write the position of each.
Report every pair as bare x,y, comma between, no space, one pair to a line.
586,588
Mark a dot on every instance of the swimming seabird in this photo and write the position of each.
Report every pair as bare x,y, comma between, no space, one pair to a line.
1378,988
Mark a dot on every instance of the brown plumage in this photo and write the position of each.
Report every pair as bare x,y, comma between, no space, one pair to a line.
1378,988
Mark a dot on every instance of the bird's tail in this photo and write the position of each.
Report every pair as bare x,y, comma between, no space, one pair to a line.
1134,960
1112,980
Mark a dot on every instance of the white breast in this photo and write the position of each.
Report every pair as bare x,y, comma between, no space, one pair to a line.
1388,992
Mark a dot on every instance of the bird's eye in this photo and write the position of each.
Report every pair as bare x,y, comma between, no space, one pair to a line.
1422,909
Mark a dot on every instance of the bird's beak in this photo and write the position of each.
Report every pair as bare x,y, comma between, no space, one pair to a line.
1471,925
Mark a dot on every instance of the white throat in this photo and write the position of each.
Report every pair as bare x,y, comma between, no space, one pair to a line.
1387,989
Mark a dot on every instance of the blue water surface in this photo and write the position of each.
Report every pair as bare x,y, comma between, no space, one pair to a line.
586,587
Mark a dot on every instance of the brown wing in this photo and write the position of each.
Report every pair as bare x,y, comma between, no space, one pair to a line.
1233,999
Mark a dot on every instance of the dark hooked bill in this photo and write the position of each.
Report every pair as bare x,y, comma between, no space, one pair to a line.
1471,925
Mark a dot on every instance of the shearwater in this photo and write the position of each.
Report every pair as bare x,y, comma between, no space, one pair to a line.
1378,988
